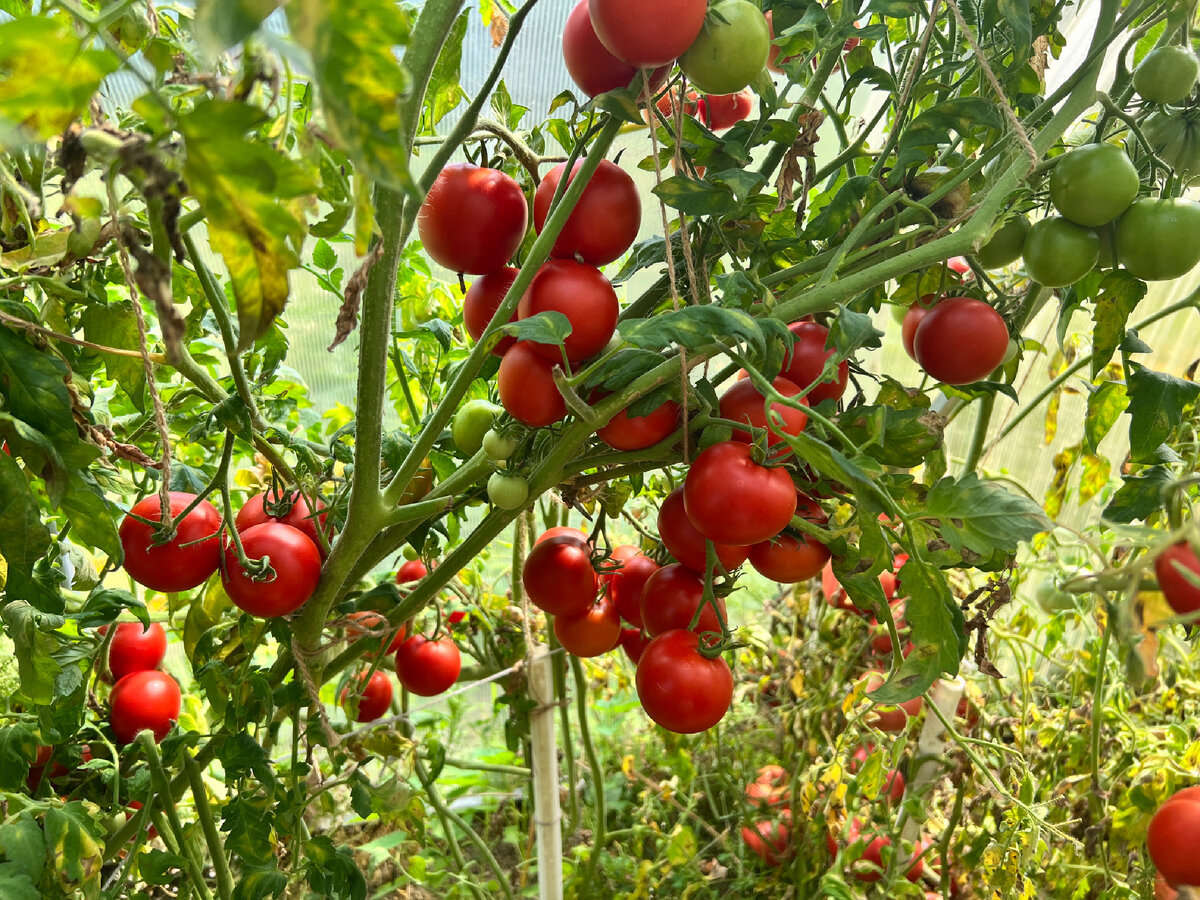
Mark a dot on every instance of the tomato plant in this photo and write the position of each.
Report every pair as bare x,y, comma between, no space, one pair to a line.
472,421
743,403
731,49
134,648
592,632
582,294
645,36
731,499
603,223
1177,570
684,542
1058,252
671,598
184,561
289,508
370,697
1170,838
428,667
1167,74
626,432
590,63
679,688
473,219
1157,239
558,576
960,340
625,587
1094,184
294,565
481,301
526,387
806,365
147,700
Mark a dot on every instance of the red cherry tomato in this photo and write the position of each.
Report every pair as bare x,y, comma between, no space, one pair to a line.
686,544
807,362
770,839
1171,839
526,387
733,500
481,301
185,561
559,578
625,587
428,668
146,700
368,620
670,599
374,697
668,103
473,219
607,570
633,641
591,66
290,508
591,633
771,787
788,558
647,34
1182,596
743,403
294,559
135,648
412,570
960,341
1162,890
721,111
582,294
870,866
603,223
680,688
624,432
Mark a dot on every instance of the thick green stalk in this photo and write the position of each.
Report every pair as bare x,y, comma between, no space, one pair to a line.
599,838
208,823
162,787
420,56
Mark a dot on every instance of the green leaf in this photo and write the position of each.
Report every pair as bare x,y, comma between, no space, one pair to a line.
1119,295
696,198
23,848
30,99
18,746
543,328
1016,13
115,325
23,538
258,883
445,91
982,516
1105,404
222,23
1140,496
1156,404
743,182
851,331
75,846
34,648
240,184
362,83
91,513
935,126
33,385
894,437
693,327
323,256
627,365
853,198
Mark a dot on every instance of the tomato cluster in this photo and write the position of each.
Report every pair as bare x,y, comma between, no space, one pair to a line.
1172,838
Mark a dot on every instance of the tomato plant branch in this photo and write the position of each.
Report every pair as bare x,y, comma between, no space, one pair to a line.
429,35
593,761
443,814
204,813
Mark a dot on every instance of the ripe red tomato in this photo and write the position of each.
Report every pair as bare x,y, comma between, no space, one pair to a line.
789,558
770,839
625,587
428,668
893,783
412,570
473,219
185,561
582,294
624,432
591,66
135,648
721,111
733,500
1171,838
668,103
565,531
870,866
296,562
743,403
686,544
368,620
593,632
1182,596
913,318
771,787
890,718
526,387
633,641
881,643
960,341
670,599
290,508
374,697
680,688
481,301
647,34
1162,890
603,223
144,700
808,362
559,578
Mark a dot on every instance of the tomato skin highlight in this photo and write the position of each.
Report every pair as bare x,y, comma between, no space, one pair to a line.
481,301
686,544
646,35
374,697
182,563
526,387
144,700
733,500
670,598
605,221
1182,596
473,219
679,688
582,294
960,341
591,66
559,578
134,648
428,668
297,565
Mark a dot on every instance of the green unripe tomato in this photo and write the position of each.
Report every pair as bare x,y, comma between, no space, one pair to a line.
507,491
1166,74
731,49
1005,245
1051,598
472,421
1058,252
1158,240
1092,185
499,447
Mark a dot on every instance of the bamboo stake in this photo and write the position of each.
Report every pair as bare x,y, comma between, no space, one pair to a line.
547,811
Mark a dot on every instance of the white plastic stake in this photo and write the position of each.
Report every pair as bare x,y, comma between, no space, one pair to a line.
931,745
547,810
